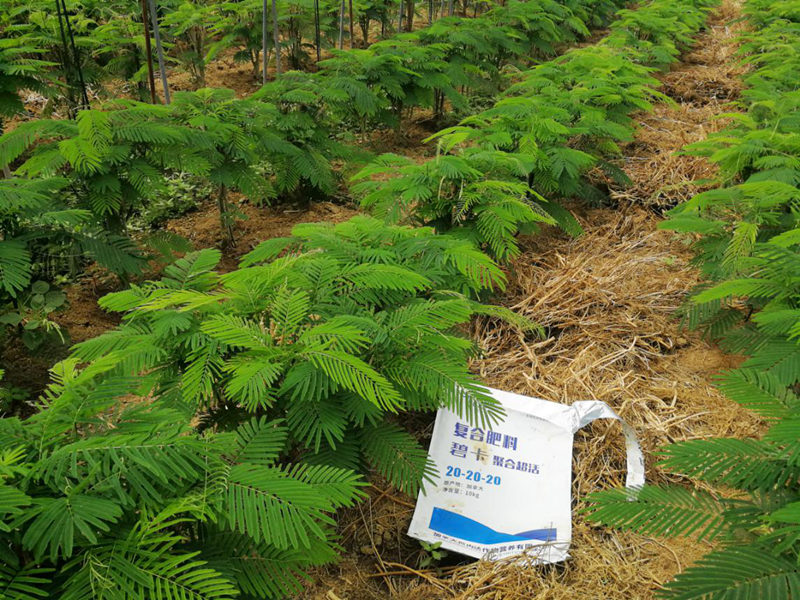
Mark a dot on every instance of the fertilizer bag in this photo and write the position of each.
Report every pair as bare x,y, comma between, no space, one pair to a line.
506,490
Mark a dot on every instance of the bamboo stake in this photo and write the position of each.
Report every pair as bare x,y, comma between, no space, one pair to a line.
400,16
75,55
317,34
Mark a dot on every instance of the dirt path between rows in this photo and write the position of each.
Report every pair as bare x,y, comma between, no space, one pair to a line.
607,300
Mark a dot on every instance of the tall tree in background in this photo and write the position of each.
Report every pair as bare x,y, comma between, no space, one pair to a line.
409,15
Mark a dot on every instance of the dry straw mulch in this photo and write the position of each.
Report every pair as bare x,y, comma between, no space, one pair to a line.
607,301
703,86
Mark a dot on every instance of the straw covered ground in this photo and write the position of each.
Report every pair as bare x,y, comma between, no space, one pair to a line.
702,85
608,301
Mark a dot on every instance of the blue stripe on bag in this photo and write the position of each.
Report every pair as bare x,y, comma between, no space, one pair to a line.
464,528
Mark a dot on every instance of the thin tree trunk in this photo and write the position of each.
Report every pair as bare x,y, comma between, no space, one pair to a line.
148,53
430,12
225,220
364,24
264,58
400,16
351,24
199,42
341,25
159,50
276,38
410,16
450,8
75,54
317,33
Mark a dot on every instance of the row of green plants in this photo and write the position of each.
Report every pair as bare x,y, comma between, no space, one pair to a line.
109,40
81,188
106,41
497,173
200,449
747,242
446,66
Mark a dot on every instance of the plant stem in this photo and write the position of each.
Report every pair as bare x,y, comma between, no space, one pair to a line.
225,220
148,53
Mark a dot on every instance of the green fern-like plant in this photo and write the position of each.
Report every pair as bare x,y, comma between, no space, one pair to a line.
335,330
20,68
114,158
476,195
36,221
759,528
498,173
107,500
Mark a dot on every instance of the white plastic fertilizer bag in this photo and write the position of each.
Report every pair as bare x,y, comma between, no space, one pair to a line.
506,490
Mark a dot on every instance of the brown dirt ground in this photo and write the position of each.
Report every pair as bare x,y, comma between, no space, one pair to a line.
608,302
202,228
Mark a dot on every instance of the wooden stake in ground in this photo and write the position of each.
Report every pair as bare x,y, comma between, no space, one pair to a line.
63,19
148,53
159,50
